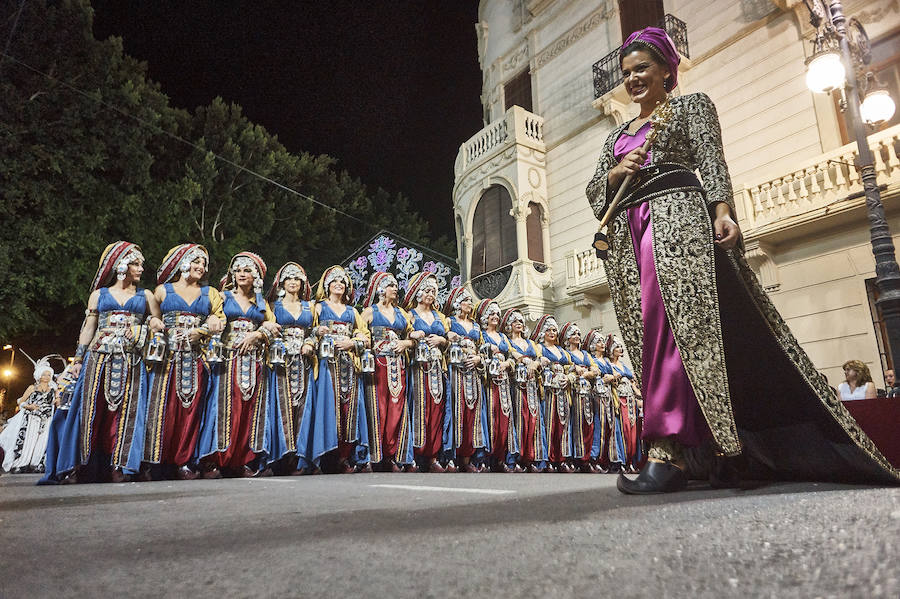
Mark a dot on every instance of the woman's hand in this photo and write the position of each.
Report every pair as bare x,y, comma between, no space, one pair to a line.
473,360
417,335
214,324
453,337
727,232
250,341
345,343
403,345
629,165
435,341
307,350
156,325
194,336
272,327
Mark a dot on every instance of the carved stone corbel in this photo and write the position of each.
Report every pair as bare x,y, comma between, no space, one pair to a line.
614,103
759,256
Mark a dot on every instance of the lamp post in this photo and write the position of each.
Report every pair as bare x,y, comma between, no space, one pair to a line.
8,371
839,48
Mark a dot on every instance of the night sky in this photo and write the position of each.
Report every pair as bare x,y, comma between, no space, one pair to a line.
388,88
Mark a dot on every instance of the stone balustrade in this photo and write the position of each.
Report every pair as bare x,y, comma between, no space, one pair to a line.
827,183
584,271
517,126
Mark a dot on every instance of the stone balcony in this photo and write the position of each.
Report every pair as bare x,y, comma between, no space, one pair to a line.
825,185
516,127
819,194
585,273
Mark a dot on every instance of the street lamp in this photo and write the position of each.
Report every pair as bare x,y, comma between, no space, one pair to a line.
878,105
835,33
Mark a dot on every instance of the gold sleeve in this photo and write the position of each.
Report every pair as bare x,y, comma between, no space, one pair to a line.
216,304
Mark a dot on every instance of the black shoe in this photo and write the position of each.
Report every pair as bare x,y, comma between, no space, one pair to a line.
656,477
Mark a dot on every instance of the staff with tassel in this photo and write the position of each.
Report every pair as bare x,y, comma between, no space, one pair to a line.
658,119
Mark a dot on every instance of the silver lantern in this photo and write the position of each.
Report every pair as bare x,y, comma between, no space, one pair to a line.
277,351
521,373
456,354
215,350
368,361
326,347
156,349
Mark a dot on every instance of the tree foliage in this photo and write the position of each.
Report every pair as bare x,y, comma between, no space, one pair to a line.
90,153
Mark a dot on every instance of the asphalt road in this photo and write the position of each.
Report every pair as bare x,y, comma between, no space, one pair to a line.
449,535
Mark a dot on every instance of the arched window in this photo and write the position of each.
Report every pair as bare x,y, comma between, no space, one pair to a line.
535,235
493,232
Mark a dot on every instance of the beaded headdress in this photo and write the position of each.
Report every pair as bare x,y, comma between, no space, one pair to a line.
290,270
179,259
417,286
120,252
332,274
546,321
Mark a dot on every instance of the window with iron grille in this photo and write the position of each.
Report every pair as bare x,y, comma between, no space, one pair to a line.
517,91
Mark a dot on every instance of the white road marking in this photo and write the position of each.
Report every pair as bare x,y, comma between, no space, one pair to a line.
446,489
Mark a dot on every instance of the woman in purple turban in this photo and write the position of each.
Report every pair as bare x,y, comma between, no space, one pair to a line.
699,328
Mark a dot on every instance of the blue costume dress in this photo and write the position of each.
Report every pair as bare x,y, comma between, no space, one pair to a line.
528,415
336,401
427,397
287,404
557,407
233,430
386,391
583,411
109,406
468,434
499,399
628,416
178,386
609,444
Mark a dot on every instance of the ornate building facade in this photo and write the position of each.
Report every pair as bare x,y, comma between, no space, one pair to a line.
552,92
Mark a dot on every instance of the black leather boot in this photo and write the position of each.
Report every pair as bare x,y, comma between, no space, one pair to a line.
656,477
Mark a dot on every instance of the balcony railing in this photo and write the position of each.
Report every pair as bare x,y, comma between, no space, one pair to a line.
816,187
584,271
608,70
516,126
490,284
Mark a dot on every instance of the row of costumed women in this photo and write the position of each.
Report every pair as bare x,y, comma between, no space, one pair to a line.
190,381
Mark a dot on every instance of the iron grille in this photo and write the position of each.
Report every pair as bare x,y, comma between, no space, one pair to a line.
608,71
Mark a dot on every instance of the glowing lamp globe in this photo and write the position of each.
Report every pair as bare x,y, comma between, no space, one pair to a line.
824,72
878,107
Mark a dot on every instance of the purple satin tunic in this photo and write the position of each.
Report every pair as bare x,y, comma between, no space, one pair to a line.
670,406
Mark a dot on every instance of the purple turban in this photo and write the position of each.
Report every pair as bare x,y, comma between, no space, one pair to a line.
658,43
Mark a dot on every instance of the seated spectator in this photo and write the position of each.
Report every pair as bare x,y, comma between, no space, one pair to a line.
891,389
858,382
